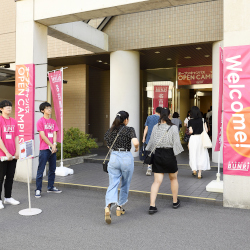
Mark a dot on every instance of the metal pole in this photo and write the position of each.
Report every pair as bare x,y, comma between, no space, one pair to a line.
28,185
62,124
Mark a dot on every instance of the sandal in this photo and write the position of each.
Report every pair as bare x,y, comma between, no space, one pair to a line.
107,215
194,173
120,211
200,177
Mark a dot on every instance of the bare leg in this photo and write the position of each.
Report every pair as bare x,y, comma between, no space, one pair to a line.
199,173
158,177
174,185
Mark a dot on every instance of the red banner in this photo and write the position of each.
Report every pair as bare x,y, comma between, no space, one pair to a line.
24,101
236,117
195,75
160,97
219,136
56,81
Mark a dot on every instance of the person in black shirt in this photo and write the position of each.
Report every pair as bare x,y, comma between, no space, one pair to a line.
121,163
198,155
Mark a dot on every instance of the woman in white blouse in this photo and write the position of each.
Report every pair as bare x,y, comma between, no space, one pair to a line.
165,138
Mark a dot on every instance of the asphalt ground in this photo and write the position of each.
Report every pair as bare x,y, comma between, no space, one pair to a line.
74,219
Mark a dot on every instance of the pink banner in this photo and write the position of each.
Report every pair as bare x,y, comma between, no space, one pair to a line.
236,127
56,81
195,75
160,97
24,101
219,136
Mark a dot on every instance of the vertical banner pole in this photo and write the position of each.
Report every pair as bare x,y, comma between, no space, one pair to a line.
28,184
62,124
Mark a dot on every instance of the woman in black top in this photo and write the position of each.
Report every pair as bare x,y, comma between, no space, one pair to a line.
121,163
198,155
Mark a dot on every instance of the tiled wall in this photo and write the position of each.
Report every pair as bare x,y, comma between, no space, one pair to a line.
99,102
7,31
185,24
75,97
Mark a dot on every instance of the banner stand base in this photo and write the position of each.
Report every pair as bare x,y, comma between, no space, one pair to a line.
63,171
30,211
215,186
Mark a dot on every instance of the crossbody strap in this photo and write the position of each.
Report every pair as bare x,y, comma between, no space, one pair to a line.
160,140
113,144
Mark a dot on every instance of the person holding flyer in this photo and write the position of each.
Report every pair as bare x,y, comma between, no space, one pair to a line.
9,148
47,129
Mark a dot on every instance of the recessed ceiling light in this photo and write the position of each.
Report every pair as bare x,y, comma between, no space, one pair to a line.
157,52
178,64
198,48
99,60
187,57
169,59
105,63
207,55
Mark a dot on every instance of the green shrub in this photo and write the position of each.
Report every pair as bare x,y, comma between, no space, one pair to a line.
75,143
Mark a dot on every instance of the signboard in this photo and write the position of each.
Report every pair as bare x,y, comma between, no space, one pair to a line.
24,101
236,117
55,79
160,97
195,75
26,150
219,136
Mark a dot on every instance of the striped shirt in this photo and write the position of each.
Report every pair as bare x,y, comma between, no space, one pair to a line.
170,140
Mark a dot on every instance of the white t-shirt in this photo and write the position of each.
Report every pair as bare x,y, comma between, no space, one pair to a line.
209,114
186,121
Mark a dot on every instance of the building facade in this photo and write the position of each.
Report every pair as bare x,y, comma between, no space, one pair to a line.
113,54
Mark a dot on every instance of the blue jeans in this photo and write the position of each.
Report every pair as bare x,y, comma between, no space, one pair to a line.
120,166
44,156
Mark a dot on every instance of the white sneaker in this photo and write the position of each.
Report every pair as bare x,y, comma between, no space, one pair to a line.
1,205
38,194
149,171
11,201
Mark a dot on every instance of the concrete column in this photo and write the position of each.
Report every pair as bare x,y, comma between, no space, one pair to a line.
31,48
236,33
215,97
125,87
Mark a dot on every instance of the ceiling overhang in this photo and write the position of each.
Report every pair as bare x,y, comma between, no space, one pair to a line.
82,35
52,12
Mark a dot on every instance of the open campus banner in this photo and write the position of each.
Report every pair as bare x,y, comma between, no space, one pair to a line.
55,79
195,75
219,136
160,97
236,117
24,101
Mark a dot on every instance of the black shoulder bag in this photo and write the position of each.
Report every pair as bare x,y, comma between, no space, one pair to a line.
105,162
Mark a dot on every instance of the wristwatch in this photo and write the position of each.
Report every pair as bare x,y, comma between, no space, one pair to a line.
54,143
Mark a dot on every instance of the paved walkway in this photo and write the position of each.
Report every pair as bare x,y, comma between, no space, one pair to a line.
91,176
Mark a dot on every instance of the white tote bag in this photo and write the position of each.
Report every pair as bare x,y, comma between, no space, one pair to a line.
206,142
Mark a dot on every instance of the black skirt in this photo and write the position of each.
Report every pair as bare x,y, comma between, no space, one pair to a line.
164,161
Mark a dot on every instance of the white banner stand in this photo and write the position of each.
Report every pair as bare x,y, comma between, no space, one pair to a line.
216,185
62,171
27,152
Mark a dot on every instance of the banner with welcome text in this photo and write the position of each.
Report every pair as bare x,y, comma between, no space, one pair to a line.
55,79
236,117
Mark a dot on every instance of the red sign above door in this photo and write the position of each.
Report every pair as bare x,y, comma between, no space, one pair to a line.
195,75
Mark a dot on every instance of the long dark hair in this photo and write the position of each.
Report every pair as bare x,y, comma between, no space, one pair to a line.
195,112
121,116
164,116
188,113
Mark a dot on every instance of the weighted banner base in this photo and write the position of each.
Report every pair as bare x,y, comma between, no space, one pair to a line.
215,186
30,211
63,171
